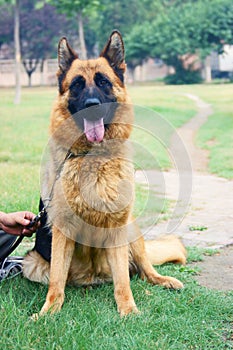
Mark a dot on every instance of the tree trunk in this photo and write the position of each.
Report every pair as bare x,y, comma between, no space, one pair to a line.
17,53
42,72
81,37
30,80
208,77
30,66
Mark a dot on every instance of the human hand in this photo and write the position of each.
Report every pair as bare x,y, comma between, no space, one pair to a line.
15,223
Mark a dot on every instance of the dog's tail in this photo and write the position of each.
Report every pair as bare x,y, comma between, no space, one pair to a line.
35,268
167,248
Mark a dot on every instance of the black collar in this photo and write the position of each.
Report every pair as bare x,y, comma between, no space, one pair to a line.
89,153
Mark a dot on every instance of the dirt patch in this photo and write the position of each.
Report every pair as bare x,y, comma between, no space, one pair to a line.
217,270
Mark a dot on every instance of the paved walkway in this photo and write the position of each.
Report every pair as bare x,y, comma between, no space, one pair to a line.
210,210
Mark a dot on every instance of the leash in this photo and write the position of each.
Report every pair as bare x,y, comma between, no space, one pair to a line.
39,216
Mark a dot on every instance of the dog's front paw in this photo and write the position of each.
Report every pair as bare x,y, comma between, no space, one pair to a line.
127,309
51,308
52,304
48,307
34,317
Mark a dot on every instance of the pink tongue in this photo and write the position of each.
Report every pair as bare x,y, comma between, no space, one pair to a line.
94,130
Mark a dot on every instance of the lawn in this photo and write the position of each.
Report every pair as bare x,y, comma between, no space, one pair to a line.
217,134
24,135
158,111
195,318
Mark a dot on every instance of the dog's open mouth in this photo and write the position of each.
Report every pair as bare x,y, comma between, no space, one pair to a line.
94,130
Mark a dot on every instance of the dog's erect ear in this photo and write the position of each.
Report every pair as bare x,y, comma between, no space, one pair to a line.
66,55
114,52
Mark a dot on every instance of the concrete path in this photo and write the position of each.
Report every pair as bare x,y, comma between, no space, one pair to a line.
210,210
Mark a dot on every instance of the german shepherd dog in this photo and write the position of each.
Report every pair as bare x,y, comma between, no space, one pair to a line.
95,238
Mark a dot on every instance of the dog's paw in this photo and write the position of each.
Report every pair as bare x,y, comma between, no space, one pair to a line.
34,317
48,308
51,308
171,282
128,309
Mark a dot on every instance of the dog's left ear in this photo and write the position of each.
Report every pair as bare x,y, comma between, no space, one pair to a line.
114,52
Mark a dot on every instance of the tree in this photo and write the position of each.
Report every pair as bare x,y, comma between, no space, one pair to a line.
122,15
17,52
39,24
182,29
6,24
78,9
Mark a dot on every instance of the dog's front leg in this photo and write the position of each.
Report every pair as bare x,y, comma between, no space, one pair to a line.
118,260
62,252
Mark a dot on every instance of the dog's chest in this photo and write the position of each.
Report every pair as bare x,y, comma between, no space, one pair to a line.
100,186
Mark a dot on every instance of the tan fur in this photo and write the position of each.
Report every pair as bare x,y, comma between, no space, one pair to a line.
92,204
165,249
35,268
89,266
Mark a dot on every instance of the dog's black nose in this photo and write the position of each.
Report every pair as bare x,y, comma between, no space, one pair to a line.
92,102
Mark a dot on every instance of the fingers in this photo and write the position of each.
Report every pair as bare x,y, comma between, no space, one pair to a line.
24,219
29,215
28,232
16,223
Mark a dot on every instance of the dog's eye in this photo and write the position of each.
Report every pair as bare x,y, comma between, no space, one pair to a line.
103,82
78,82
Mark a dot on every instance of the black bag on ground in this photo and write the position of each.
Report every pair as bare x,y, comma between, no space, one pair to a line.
8,243
10,266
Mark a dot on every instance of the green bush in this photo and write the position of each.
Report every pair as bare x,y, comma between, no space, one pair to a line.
183,77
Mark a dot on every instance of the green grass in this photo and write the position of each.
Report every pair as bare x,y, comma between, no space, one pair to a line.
195,318
150,207
158,111
24,134
24,127
197,254
19,186
217,134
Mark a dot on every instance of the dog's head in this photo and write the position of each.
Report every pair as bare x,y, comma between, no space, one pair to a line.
92,83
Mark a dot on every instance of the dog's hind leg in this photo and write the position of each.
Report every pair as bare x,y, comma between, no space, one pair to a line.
140,259
118,259
35,268
62,252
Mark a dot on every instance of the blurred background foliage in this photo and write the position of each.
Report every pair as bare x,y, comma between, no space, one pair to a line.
165,29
